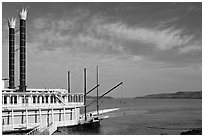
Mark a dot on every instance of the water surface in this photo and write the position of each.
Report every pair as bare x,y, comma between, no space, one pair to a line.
146,117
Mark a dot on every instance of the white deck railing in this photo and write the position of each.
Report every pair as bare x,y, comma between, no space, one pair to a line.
32,99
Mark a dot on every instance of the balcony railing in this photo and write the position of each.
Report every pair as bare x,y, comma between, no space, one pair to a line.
43,98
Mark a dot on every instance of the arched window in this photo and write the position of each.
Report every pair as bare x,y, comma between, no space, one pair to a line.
55,99
15,100
43,99
5,99
52,99
46,99
11,100
38,99
34,99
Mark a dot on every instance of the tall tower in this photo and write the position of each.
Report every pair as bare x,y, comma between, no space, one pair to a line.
22,16
11,25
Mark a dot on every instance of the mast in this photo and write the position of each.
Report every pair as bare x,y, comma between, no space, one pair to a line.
22,16
11,25
97,107
85,94
68,82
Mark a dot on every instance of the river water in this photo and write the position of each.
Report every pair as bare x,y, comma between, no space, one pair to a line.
145,117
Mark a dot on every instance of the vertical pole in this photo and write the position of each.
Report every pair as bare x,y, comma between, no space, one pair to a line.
40,117
36,117
60,115
26,118
18,99
68,82
71,114
75,115
64,115
85,94
12,118
53,116
97,82
22,118
8,118
48,118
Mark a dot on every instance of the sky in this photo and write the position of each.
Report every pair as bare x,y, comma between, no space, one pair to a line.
151,47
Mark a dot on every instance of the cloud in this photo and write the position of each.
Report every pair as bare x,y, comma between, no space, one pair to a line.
162,39
190,49
92,34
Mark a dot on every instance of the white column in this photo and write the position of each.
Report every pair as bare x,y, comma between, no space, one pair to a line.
49,100
30,99
64,115
40,118
53,116
17,99
2,99
40,99
20,100
75,115
36,100
66,98
26,118
12,118
8,99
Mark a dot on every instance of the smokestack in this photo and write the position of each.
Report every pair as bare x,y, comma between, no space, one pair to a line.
22,16
68,82
11,25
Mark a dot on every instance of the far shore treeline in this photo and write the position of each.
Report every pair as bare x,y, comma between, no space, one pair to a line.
177,95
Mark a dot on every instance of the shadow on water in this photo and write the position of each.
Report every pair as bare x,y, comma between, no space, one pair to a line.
77,130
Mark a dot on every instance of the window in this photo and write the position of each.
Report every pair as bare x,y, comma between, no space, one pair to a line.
55,99
11,100
74,98
26,99
15,100
23,99
46,99
38,100
34,99
42,99
5,99
51,99
81,98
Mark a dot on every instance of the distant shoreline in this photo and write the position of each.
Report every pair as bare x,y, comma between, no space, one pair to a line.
177,95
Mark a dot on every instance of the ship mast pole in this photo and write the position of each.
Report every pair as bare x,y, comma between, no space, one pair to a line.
68,82
97,89
85,94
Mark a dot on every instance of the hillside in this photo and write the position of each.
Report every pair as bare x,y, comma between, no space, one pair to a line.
177,95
